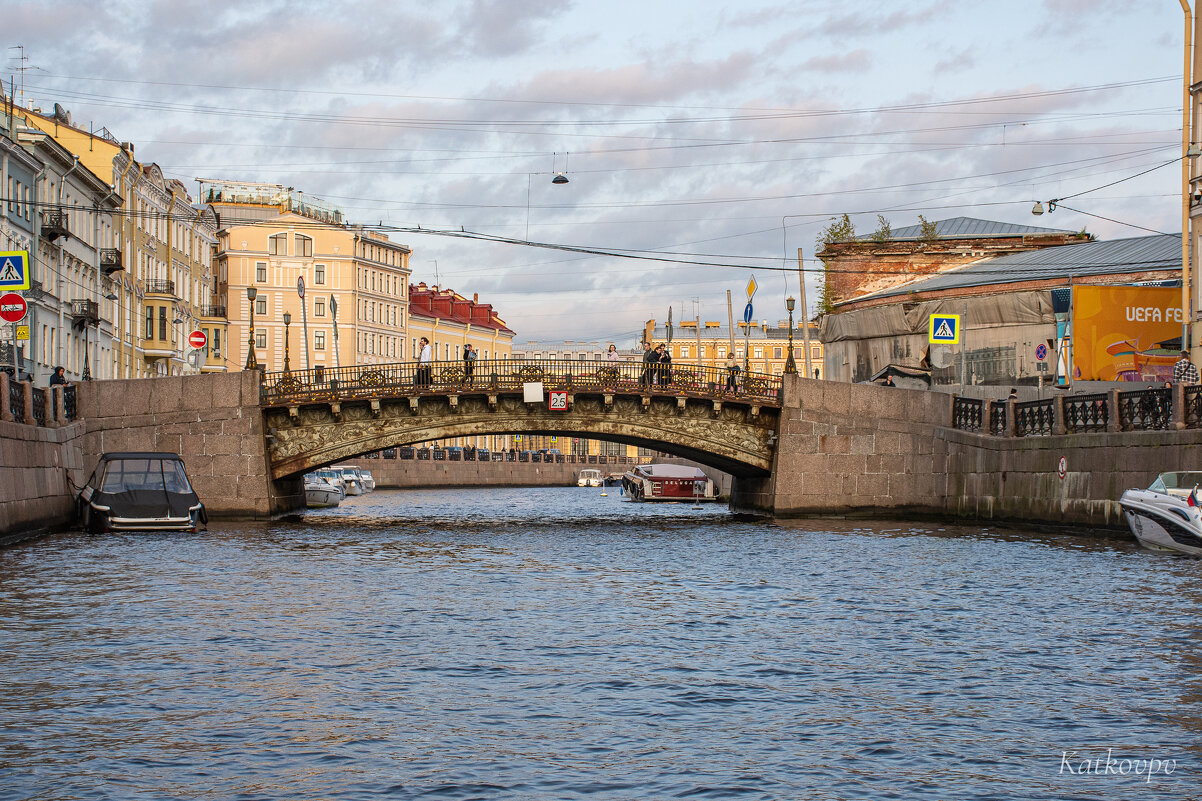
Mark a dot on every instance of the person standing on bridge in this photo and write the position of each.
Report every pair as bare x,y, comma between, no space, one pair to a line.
612,354
732,373
1184,371
650,362
469,363
665,367
425,358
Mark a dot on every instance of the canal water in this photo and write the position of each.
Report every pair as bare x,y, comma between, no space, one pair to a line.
552,643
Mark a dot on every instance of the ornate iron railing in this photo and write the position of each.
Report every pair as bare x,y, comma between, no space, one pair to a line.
966,414
1086,412
499,375
997,418
39,406
1193,406
159,286
69,409
1034,418
1146,410
16,400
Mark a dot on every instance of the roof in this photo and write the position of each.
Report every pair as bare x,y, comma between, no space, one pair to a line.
670,471
108,457
687,335
1115,257
968,228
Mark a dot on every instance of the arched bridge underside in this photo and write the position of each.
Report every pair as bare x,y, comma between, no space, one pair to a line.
738,436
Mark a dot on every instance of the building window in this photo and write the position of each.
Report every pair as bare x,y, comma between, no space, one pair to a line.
260,305
816,353
278,245
319,273
319,307
215,343
304,246
260,339
150,322
684,351
261,272
759,353
776,353
721,353
319,340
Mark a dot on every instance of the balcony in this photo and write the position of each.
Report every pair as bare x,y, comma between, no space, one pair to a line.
54,224
213,311
110,261
84,312
160,287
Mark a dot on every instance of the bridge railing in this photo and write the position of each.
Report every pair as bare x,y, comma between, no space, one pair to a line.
498,375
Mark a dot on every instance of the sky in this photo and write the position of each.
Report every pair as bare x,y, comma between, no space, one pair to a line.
707,133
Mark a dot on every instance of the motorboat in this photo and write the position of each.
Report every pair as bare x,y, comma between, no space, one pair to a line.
369,483
1166,516
334,478
320,493
352,482
140,491
668,482
589,478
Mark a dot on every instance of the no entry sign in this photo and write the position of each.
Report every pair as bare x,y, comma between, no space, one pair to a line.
12,307
197,339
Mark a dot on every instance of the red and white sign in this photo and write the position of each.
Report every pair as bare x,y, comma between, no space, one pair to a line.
12,307
557,401
1062,467
198,339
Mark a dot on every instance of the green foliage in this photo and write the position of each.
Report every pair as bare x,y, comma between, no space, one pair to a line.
826,299
884,231
840,229
928,230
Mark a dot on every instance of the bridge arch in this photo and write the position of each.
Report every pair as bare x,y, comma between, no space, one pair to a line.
738,437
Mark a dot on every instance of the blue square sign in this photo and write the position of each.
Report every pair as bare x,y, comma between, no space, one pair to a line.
945,329
14,270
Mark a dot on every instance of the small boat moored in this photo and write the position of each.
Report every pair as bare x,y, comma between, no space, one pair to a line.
668,482
589,478
320,493
352,482
1165,516
140,491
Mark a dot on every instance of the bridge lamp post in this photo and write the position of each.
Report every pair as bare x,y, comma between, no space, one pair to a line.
287,322
251,362
790,363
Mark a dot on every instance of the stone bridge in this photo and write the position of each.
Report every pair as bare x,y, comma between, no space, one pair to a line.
318,417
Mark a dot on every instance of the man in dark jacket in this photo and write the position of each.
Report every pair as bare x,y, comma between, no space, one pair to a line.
650,364
58,376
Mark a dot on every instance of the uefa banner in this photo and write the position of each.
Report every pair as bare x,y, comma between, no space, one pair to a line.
1126,333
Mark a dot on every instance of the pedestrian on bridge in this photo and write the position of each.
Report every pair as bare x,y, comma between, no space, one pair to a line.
665,367
1184,371
469,363
650,365
732,373
424,378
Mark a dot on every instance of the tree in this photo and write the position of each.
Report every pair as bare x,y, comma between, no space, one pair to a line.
928,233
826,298
840,229
884,231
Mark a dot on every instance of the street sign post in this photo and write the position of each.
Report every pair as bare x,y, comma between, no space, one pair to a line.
557,401
945,329
198,339
14,270
751,288
1041,352
747,313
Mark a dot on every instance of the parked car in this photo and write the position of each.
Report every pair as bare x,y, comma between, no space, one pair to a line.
140,491
389,453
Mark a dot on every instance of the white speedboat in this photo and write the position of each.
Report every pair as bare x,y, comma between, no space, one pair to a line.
334,477
319,493
1162,517
589,478
351,481
369,483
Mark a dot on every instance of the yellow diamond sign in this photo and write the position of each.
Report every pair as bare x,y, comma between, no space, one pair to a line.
752,286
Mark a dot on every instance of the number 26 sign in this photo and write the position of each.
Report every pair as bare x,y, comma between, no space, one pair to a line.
557,401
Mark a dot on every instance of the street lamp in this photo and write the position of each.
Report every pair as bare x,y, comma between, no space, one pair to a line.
790,363
287,322
251,362
334,314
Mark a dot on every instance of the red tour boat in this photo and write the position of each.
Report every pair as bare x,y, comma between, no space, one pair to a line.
668,482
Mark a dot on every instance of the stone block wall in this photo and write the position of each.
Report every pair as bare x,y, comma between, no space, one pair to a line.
37,466
213,421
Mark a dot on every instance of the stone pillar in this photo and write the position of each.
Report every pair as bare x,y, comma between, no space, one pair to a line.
27,395
1178,408
47,407
1011,419
6,413
1059,426
60,404
1113,424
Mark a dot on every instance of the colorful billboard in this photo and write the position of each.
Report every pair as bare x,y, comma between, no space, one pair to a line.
1119,332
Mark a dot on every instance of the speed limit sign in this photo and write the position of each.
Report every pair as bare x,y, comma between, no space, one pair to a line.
557,401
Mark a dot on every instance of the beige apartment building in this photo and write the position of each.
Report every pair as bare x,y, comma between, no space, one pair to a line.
764,348
356,282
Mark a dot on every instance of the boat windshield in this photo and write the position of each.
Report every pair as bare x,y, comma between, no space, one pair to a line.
1185,480
122,475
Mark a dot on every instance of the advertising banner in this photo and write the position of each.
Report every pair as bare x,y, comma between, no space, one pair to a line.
1125,333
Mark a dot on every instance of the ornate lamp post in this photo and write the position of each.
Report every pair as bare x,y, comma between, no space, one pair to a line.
287,322
251,362
790,363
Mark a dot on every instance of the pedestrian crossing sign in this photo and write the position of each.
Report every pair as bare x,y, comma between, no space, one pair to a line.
14,270
945,329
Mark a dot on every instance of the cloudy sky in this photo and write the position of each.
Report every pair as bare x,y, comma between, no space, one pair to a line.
710,132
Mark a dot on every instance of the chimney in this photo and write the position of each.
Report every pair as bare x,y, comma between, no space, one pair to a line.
475,297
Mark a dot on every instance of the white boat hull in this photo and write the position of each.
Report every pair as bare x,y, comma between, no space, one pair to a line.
322,498
1163,522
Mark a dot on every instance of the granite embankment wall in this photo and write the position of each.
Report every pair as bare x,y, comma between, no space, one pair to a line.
37,466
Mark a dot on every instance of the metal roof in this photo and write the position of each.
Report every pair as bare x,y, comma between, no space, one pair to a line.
967,228
1135,255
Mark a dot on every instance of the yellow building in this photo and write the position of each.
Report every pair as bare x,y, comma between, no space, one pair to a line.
154,277
356,281
764,348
